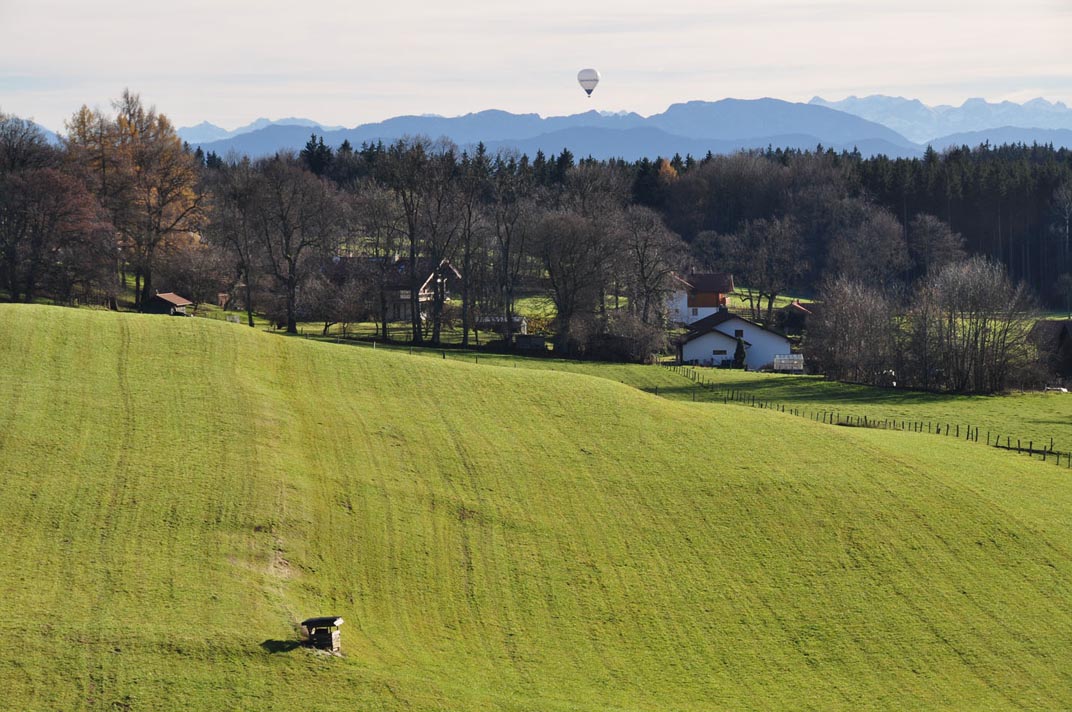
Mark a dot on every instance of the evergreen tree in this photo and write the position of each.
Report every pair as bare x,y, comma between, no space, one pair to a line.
316,156
738,354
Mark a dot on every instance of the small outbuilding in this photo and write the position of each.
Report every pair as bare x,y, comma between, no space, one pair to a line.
167,303
530,343
519,324
322,632
793,317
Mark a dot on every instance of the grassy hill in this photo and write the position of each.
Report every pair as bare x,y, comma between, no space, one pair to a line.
1031,416
177,493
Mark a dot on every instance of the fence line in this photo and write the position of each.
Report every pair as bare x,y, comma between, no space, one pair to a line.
969,433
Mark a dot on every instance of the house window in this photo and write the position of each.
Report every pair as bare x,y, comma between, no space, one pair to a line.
719,352
695,311
738,333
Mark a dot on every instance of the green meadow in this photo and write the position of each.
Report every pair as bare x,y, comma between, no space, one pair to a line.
1029,416
1032,417
177,494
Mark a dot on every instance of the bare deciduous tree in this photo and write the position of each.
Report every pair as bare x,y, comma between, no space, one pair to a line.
868,244
573,249
932,244
513,214
652,255
235,190
978,325
854,335
297,215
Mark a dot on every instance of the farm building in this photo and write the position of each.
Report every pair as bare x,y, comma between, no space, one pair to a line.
793,317
699,295
166,303
430,277
498,324
392,276
712,340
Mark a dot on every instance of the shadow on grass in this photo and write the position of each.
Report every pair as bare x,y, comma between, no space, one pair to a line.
280,646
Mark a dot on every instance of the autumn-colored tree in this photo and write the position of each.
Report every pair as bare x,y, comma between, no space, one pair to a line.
143,175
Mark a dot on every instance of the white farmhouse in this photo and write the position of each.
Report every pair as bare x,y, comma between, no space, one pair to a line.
713,340
699,295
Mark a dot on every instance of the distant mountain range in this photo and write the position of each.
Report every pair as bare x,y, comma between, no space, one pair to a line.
921,123
695,127
892,126
205,132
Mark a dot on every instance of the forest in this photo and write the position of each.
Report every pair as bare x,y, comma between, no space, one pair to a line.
122,207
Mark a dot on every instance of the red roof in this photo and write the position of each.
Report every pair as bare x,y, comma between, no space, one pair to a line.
174,299
795,305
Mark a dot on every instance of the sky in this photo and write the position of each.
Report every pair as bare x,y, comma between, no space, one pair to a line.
349,62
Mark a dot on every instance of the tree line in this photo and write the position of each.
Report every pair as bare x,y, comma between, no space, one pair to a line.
327,234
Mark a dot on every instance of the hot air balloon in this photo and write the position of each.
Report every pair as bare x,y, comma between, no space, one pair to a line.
588,78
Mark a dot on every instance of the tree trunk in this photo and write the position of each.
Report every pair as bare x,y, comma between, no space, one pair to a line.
249,301
437,313
147,288
415,322
467,269
384,318
292,301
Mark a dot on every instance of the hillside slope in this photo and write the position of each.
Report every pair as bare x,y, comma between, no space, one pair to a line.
177,493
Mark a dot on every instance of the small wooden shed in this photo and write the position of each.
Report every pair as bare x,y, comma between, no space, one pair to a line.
167,303
322,632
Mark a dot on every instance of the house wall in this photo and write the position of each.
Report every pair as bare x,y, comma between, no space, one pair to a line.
761,348
705,299
765,345
684,310
702,350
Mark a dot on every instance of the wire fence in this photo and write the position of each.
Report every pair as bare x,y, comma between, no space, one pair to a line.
715,392
962,431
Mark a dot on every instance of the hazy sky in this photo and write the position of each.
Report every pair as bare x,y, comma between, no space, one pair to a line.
349,61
